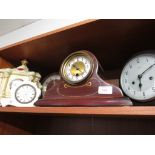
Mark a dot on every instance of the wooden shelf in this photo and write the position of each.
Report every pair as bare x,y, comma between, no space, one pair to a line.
113,111
113,42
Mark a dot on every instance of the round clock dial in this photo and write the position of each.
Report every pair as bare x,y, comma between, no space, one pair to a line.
138,77
25,93
77,67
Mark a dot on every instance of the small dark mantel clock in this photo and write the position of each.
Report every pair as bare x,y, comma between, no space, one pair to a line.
80,85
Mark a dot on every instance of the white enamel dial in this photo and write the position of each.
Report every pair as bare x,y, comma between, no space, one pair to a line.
77,68
82,73
25,93
138,77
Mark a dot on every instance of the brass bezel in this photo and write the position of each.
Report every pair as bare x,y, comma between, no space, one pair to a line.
71,56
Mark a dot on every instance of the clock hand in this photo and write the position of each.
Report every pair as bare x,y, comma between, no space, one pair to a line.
140,85
140,82
140,75
77,68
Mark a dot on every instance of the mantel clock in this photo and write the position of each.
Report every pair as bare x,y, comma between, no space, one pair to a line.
80,85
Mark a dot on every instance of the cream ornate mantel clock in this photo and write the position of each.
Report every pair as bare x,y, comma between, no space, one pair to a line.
19,86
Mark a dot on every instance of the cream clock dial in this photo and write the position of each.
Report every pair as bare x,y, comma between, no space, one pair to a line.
77,67
138,77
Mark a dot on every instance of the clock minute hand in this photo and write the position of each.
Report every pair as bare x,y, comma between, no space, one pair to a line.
140,76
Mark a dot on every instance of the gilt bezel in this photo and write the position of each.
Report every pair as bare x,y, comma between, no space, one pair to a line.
65,62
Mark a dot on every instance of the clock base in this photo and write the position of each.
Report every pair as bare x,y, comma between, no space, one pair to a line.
88,94
85,102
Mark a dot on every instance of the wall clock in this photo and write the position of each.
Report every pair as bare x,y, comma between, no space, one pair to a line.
80,85
138,77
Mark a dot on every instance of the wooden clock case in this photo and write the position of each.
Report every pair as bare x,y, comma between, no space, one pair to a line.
85,93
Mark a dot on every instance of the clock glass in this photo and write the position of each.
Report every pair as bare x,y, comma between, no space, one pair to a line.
138,77
77,67
25,93
50,80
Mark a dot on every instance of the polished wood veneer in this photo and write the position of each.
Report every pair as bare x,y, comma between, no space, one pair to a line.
112,111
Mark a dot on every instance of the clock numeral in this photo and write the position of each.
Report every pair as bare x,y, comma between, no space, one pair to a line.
147,60
134,92
126,80
130,66
144,94
126,73
153,89
128,88
137,60
68,74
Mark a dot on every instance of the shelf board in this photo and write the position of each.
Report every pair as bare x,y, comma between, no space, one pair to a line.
112,111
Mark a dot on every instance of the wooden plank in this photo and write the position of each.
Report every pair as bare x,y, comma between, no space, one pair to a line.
113,111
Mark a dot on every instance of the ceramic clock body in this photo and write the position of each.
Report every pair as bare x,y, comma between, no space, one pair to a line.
15,83
138,77
77,67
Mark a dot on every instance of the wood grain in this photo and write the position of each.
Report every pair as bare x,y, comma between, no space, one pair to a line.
94,125
114,111
13,124
5,64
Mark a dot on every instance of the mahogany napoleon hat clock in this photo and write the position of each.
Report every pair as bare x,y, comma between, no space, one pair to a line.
80,85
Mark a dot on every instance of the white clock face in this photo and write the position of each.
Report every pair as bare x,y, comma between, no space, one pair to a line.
77,68
25,94
138,77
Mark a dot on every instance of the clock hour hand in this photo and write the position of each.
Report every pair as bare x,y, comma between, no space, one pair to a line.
77,68
140,84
